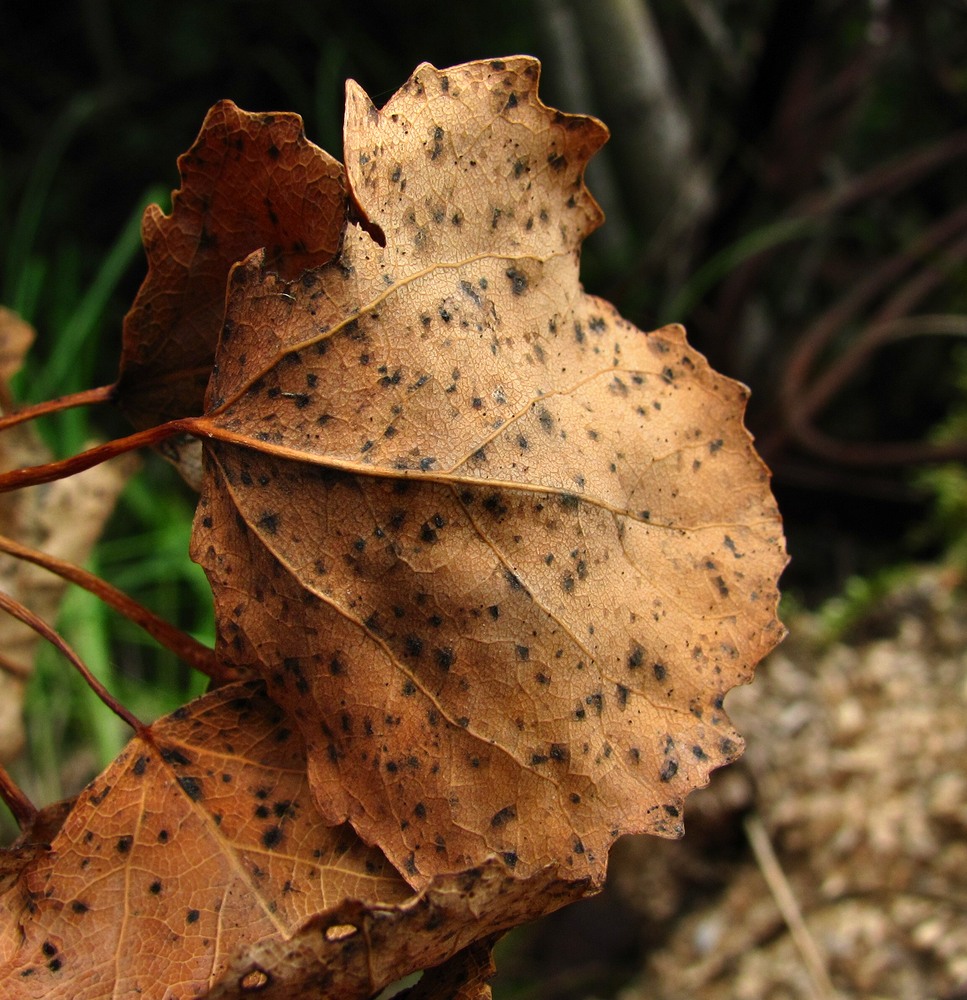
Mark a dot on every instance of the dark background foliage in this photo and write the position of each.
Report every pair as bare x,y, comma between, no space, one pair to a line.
787,179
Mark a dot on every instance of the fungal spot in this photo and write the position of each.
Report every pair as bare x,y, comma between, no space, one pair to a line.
668,770
269,522
191,787
518,280
272,837
659,671
155,887
124,844
503,816
444,658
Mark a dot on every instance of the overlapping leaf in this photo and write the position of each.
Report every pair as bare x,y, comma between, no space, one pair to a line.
353,951
195,843
249,181
499,553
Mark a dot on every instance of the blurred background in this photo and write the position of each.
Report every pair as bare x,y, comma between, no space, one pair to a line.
786,179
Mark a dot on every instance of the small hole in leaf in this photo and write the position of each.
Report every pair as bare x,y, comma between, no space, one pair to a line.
254,980
339,932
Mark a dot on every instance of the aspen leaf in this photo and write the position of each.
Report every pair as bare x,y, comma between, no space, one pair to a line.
249,181
192,844
498,552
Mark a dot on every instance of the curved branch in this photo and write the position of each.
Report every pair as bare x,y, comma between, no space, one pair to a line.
187,649
25,615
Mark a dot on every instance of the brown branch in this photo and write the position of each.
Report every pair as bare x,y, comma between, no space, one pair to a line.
192,652
25,615
24,811
799,403
887,178
877,453
821,332
87,397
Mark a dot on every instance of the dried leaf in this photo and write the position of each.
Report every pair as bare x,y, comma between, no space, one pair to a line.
16,336
249,181
65,520
195,842
510,551
355,950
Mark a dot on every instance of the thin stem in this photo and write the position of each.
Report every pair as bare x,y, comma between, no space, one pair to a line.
25,615
192,652
86,397
822,986
24,811
37,474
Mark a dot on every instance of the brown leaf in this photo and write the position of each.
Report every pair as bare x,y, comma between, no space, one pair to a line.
511,551
194,843
249,181
354,950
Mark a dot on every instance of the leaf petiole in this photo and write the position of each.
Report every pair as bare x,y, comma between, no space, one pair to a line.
24,811
86,397
51,471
